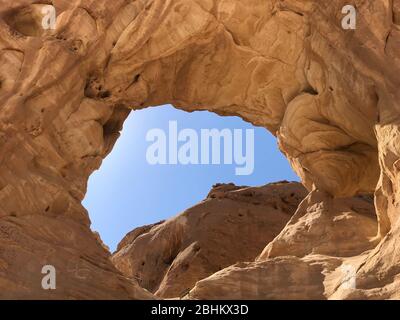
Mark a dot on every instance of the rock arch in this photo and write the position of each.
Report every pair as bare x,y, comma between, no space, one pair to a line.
329,95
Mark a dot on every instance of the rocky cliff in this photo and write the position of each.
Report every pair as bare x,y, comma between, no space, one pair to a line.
233,224
330,96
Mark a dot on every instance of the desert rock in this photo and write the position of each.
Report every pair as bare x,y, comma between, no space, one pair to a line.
328,94
233,224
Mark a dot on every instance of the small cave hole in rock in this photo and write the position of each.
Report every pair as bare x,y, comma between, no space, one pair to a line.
128,191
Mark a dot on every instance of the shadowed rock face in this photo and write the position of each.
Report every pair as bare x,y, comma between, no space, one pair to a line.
209,241
329,95
83,269
233,224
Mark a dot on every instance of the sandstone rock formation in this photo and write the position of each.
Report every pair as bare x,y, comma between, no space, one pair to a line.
233,224
315,255
323,225
329,95
29,243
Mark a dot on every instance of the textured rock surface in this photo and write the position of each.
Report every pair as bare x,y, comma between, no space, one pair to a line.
279,278
83,268
233,224
335,227
314,256
329,95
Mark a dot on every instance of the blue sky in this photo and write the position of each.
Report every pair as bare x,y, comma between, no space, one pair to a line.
128,192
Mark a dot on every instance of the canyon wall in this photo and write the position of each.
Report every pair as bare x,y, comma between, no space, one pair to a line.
328,94
232,224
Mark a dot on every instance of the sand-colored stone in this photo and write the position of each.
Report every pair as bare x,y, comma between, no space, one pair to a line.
329,95
233,224
326,226
83,268
287,278
313,257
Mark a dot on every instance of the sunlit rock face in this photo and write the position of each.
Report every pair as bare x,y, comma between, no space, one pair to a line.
329,95
233,224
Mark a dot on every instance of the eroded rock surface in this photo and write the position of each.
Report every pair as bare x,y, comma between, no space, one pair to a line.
233,224
278,278
323,225
329,95
316,256
83,269
204,252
